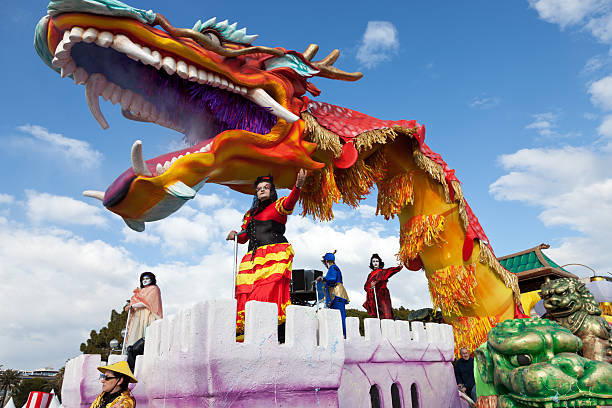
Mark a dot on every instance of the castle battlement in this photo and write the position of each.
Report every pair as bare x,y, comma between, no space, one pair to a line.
395,341
192,359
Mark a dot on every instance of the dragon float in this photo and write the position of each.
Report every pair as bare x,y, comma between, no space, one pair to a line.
243,110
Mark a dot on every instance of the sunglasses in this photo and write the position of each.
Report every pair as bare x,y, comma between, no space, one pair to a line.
106,377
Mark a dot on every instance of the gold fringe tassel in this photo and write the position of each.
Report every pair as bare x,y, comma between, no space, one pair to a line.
606,308
510,280
419,231
355,182
432,168
394,194
319,195
461,200
471,331
452,286
487,401
378,163
324,138
364,141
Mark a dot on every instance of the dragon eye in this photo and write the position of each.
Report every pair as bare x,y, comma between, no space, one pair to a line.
213,37
521,360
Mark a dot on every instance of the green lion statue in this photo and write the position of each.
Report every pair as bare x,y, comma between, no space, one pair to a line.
569,303
533,363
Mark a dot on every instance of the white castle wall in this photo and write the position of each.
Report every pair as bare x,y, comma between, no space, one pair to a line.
393,353
192,359
81,381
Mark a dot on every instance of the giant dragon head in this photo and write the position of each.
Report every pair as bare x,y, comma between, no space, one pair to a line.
235,103
533,363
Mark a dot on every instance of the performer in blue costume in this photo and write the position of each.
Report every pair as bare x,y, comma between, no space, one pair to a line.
333,281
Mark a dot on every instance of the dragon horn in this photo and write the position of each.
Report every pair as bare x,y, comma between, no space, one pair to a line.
328,70
310,51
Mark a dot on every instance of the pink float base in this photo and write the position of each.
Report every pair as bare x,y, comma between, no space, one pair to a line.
192,360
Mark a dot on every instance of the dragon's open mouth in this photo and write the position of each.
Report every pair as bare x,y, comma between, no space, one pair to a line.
236,104
150,87
160,89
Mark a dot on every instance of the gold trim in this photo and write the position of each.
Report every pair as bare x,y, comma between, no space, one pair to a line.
394,194
432,168
366,140
324,138
510,280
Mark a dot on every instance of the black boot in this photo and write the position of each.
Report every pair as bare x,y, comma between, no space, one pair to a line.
281,333
136,349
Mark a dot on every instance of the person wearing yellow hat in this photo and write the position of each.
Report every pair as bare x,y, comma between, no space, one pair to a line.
115,392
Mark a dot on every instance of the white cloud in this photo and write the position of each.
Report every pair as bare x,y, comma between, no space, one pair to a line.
577,196
379,43
601,28
593,65
132,237
48,208
60,287
485,102
72,149
365,210
605,129
210,201
6,199
546,125
593,16
189,232
538,173
601,93
567,12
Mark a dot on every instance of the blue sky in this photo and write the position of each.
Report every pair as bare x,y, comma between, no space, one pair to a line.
515,96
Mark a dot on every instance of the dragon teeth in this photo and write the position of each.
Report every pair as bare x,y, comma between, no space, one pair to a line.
193,73
90,35
80,76
95,85
157,60
261,97
105,39
182,69
138,164
129,100
169,65
76,34
126,98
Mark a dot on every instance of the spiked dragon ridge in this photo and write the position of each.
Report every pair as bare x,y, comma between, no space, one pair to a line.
244,111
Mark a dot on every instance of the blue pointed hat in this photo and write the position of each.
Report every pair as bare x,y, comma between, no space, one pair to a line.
329,257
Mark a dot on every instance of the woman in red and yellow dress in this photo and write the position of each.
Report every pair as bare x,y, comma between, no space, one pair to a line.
265,271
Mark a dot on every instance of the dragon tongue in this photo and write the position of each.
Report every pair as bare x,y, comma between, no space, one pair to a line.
94,87
261,97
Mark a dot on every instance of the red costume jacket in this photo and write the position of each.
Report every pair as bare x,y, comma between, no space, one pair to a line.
267,226
380,276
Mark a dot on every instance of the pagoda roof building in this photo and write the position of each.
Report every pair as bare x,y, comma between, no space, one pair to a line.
532,268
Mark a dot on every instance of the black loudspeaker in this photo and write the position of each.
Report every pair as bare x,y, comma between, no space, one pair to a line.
303,286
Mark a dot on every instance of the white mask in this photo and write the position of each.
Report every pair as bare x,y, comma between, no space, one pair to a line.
375,263
146,281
